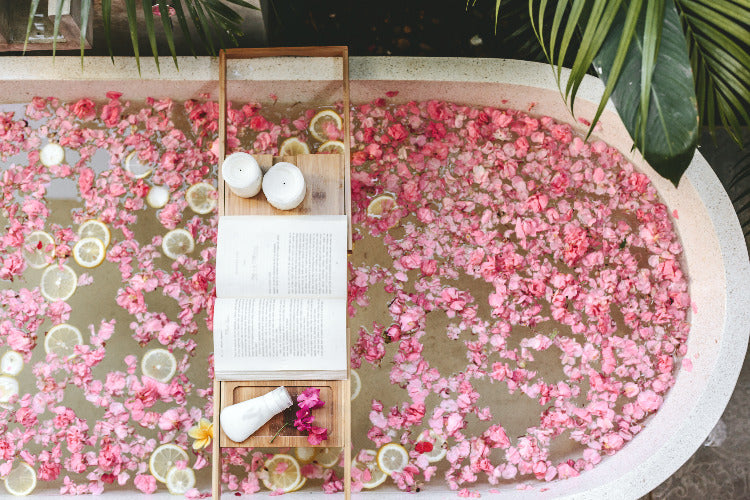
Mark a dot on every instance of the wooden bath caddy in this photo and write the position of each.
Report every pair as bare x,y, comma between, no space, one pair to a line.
328,193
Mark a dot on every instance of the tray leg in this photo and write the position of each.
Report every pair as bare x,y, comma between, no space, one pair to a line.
216,463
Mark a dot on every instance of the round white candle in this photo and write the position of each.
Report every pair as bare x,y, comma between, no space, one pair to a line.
284,186
242,173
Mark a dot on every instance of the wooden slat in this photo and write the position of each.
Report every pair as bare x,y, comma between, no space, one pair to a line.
328,416
216,450
324,179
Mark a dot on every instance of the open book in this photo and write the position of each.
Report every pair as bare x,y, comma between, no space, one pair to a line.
280,309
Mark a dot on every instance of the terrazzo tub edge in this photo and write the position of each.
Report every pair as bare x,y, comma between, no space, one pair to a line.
715,252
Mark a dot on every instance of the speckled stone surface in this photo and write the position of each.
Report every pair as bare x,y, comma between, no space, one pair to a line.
715,248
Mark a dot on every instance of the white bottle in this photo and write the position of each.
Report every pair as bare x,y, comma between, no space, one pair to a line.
239,421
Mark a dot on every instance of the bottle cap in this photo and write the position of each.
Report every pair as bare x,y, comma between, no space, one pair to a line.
279,399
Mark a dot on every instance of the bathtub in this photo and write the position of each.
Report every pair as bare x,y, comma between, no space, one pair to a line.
715,252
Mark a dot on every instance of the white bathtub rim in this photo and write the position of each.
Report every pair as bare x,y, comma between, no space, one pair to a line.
707,408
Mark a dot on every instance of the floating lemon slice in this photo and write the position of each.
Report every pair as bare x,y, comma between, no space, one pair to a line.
58,283
38,249
201,197
392,457
8,388
62,339
377,476
328,457
438,451
380,205
52,154
322,121
177,242
159,364
157,196
356,384
179,481
21,480
300,484
89,252
163,459
305,454
133,165
333,147
293,146
11,363
93,228
283,473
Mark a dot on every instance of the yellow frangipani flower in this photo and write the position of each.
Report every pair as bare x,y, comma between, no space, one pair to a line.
203,433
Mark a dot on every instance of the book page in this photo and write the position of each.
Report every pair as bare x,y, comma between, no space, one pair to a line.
273,334
282,256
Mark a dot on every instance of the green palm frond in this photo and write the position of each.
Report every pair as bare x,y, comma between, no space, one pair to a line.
719,48
214,21
639,51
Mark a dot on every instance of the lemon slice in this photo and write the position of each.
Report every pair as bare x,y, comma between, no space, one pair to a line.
52,154
89,252
58,283
201,197
61,340
305,454
328,457
322,121
157,196
38,249
334,147
381,205
356,384
133,165
377,476
177,242
159,364
11,363
163,459
300,484
283,473
180,480
293,146
93,228
8,388
21,480
438,449
392,457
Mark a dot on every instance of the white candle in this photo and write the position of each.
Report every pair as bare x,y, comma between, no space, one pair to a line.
242,173
284,186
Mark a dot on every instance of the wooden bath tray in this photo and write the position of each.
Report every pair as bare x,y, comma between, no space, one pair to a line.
328,193
331,415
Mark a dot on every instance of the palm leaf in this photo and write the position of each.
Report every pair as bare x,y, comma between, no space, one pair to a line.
671,119
56,28
718,43
133,26
107,18
148,16
182,20
32,13
167,25
85,11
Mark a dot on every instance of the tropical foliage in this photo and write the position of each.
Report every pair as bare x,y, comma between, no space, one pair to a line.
214,21
670,66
